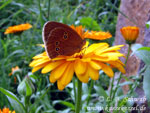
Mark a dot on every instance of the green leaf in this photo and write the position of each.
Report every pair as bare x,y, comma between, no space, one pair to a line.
28,89
144,48
5,4
89,23
144,55
135,47
123,102
125,83
146,83
70,105
33,76
148,25
101,91
16,104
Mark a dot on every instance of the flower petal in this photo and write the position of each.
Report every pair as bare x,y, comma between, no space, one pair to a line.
114,48
58,72
112,55
70,59
80,67
95,65
52,78
100,58
83,77
60,85
95,47
97,35
67,75
52,66
94,74
118,65
79,30
85,59
60,58
107,69
44,54
38,67
39,62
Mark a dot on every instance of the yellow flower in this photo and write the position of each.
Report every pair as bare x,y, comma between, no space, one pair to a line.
6,110
85,64
13,70
96,35
130,34
18,28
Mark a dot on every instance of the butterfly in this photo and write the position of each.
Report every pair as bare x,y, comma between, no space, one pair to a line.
60,39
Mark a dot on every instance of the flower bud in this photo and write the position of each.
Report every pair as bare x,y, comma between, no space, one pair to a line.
26,87
130,34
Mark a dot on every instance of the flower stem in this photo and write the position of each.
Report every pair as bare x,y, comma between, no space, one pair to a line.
129,49
112,85
27,103
49,2
90,90
74,87
41,19
120,76
78,98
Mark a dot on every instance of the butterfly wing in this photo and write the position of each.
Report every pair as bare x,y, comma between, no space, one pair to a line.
61,40
49,26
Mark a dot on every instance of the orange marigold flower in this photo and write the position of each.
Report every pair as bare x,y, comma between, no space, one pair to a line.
6,110
96,35
13,70
18,28
130,34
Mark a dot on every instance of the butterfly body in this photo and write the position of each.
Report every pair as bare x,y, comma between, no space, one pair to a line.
60,39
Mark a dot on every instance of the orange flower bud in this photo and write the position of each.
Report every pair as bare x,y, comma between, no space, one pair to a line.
130,34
